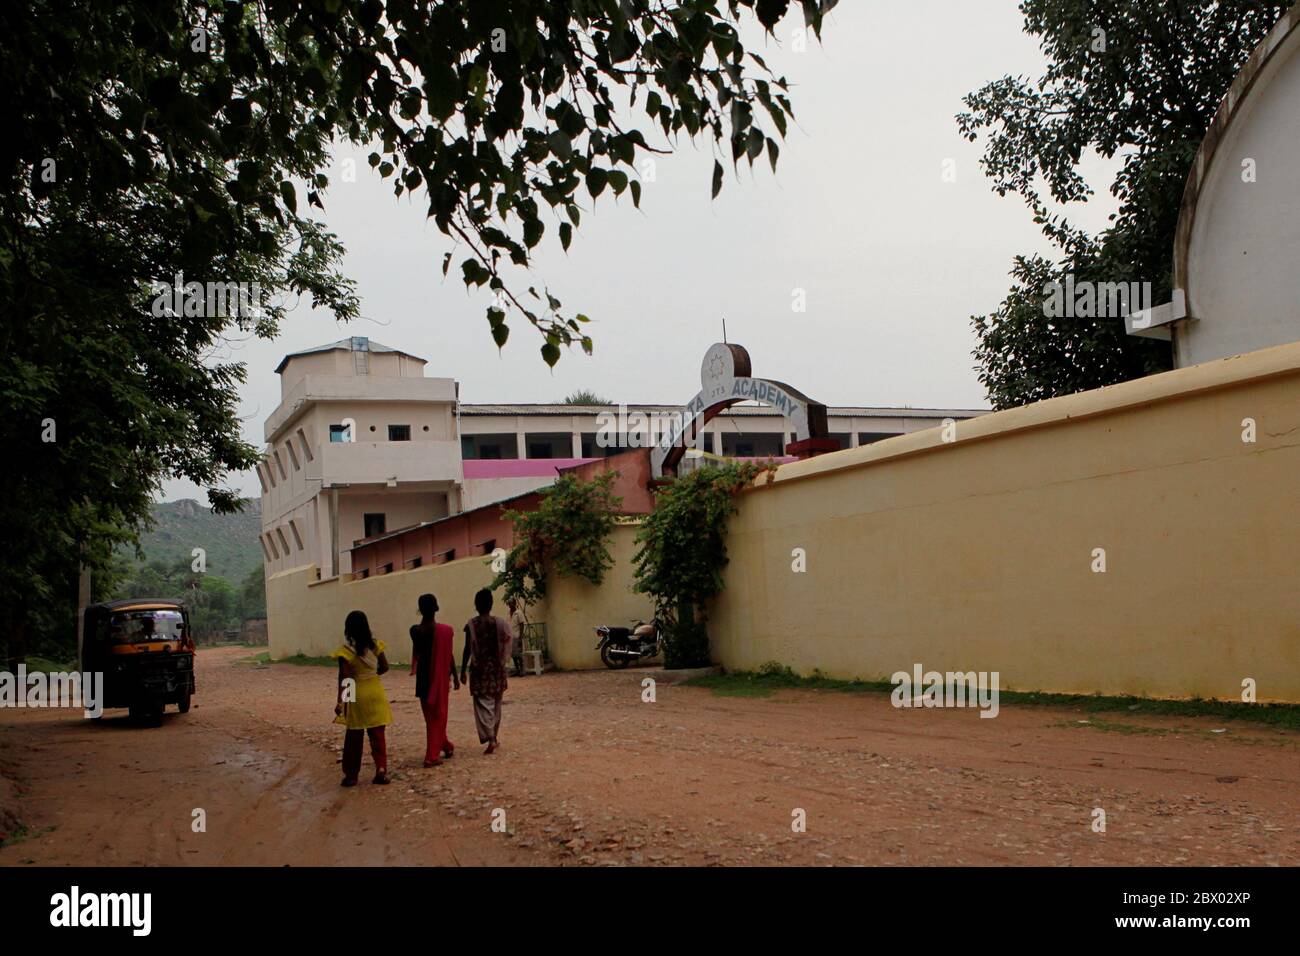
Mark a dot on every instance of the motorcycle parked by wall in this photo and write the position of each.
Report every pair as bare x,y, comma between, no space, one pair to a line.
620,646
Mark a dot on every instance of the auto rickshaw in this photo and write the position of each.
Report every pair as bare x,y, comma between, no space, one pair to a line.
145,651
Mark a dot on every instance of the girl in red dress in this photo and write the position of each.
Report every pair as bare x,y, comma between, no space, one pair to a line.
434,665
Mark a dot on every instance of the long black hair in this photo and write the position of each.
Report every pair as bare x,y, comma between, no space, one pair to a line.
356,628
428,605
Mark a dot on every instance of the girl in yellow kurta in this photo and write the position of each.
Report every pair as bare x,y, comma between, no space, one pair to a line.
364,709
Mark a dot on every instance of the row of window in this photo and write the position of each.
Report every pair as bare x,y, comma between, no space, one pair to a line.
416,561
343,433
548,445
560,445
275,459
275,543
274,462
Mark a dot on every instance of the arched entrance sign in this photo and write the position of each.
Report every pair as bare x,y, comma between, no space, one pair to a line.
726,380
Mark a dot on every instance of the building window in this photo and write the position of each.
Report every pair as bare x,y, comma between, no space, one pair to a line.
261,478
265,549
269,543
279,463
284,542
340,433
399,432
591,449
293,455
488,447
373,525
845,440
753,446
866,438
557,445
297,538
270,472
306,445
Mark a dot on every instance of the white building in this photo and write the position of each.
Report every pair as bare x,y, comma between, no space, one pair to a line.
363,443
1237,248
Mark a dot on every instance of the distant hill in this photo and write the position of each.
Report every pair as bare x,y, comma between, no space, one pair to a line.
229,540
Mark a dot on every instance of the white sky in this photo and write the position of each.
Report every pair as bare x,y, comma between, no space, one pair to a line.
893,260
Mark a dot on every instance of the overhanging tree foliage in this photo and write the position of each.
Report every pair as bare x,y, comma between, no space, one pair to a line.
158,138
681,551
1130,79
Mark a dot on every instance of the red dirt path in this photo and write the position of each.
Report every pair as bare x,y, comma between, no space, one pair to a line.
589,774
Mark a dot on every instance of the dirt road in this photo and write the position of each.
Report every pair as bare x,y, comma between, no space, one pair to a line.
589,774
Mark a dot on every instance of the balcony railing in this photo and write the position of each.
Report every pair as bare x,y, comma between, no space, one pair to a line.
382,462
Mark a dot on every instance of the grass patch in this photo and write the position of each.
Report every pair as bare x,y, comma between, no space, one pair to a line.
772,677
302,660
45,666
22,833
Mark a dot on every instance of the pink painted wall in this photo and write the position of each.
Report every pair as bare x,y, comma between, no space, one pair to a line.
520,467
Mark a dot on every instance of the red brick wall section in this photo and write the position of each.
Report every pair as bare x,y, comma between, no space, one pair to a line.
469,531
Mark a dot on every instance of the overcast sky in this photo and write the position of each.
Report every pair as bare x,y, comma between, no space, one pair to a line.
892,259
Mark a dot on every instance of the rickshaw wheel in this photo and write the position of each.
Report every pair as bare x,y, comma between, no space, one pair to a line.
183,705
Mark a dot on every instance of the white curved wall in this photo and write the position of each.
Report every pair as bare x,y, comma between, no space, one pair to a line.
1243,258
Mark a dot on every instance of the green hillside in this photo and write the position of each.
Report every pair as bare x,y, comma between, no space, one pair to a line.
229,540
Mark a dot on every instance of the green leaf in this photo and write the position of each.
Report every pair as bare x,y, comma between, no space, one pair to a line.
560,144
717,178
474,272
550,354
533,229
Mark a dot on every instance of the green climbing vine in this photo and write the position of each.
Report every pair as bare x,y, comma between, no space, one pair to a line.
567,533
681,551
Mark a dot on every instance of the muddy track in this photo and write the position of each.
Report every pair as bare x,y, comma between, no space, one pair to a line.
589,774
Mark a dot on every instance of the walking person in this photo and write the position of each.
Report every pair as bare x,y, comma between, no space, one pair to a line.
433,662
518,627
487,648
365,710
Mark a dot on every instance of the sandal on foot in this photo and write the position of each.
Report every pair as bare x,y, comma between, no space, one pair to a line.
382,777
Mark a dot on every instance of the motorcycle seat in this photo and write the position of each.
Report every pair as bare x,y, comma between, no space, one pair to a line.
619,633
